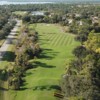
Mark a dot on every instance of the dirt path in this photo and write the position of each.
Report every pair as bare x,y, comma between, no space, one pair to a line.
3,83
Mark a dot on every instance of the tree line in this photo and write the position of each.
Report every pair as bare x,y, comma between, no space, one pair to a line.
81,81
6,24
27,48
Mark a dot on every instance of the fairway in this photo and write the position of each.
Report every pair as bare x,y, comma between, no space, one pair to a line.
44,78
21,13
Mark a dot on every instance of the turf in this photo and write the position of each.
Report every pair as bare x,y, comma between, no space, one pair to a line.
44,78
21,13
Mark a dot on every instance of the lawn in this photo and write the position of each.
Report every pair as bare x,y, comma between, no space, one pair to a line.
21,13
44,78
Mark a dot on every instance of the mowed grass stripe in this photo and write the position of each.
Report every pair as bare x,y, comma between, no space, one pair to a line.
54,39
57,41
62,40
73,40
69,41
66,41
48,35
47,38
44,37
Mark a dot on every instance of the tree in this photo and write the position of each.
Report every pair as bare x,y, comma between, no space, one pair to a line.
93,42
80,52
26,18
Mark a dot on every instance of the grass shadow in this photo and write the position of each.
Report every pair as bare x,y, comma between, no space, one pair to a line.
8,56
47,87
41,88
47,54
28,74
3,89
40,64
3,75
22,89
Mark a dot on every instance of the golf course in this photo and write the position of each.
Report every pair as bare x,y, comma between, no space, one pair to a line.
44,78
50,50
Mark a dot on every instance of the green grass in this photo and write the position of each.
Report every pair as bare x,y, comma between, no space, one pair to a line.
1,42
22,13
41,81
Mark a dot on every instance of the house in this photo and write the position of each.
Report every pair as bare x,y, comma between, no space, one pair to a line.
95,20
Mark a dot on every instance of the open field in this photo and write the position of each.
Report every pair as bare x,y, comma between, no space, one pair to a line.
43,79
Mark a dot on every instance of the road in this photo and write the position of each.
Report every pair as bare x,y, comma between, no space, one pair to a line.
4,94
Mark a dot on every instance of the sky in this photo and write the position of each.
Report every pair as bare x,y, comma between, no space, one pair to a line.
49,0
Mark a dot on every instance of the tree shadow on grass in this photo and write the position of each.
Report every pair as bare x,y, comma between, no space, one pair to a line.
3,89
22,89
44,56
28,73
40,64
47,87
47,54
3,76
23,82
8,56
41,88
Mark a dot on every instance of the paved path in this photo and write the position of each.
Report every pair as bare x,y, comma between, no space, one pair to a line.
9,40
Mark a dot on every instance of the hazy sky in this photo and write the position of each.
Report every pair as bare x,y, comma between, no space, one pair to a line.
52,0
49,0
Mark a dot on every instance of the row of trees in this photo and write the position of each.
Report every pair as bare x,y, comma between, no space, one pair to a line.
82,79
5,24
6,29
26,48
4,16
55,18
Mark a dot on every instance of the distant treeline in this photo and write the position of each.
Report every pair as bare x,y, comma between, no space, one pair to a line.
57,1
5,23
